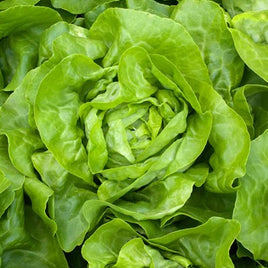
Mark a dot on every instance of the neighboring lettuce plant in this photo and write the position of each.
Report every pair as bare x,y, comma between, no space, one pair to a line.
133,133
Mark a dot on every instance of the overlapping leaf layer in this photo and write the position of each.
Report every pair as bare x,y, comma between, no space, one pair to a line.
133,133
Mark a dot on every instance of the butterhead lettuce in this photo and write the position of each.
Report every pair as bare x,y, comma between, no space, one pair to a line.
133,133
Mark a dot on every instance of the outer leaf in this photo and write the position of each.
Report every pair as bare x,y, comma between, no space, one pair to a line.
11,3
10,179
6,194
53,40
135,254
205,22
18,56
53,47
159,198
129,251
158,35
56,114
251,41
33,246
103,247
24,24
67,205
150,6
40,194
203,205
92,15
78,6
250,77
216,236
228,159
249,101
26,17
22,139
12,225
250,209
235,7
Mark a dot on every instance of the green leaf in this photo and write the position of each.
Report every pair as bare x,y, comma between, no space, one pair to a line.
52,50
214,240
96,146
29,244
26,17
78,6
40,194
22,29
205,21
67,205
158,199
53,41
251,196
203,205
136,254
177,157
249,101
250,77
235,7
10,179
22,139
193,142
150,6
158,36
250,40
11,3
58,112
103,246
228,159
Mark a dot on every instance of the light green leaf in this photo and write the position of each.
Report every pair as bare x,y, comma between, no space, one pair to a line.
228,159
250,209
22,139
251,41
205,21
78,6
103,246
67,205
158,199
57,113
136,254
166,164
54,39
203,205
96,146
214,241
193,143
158,36
11,3
150,6
235,7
